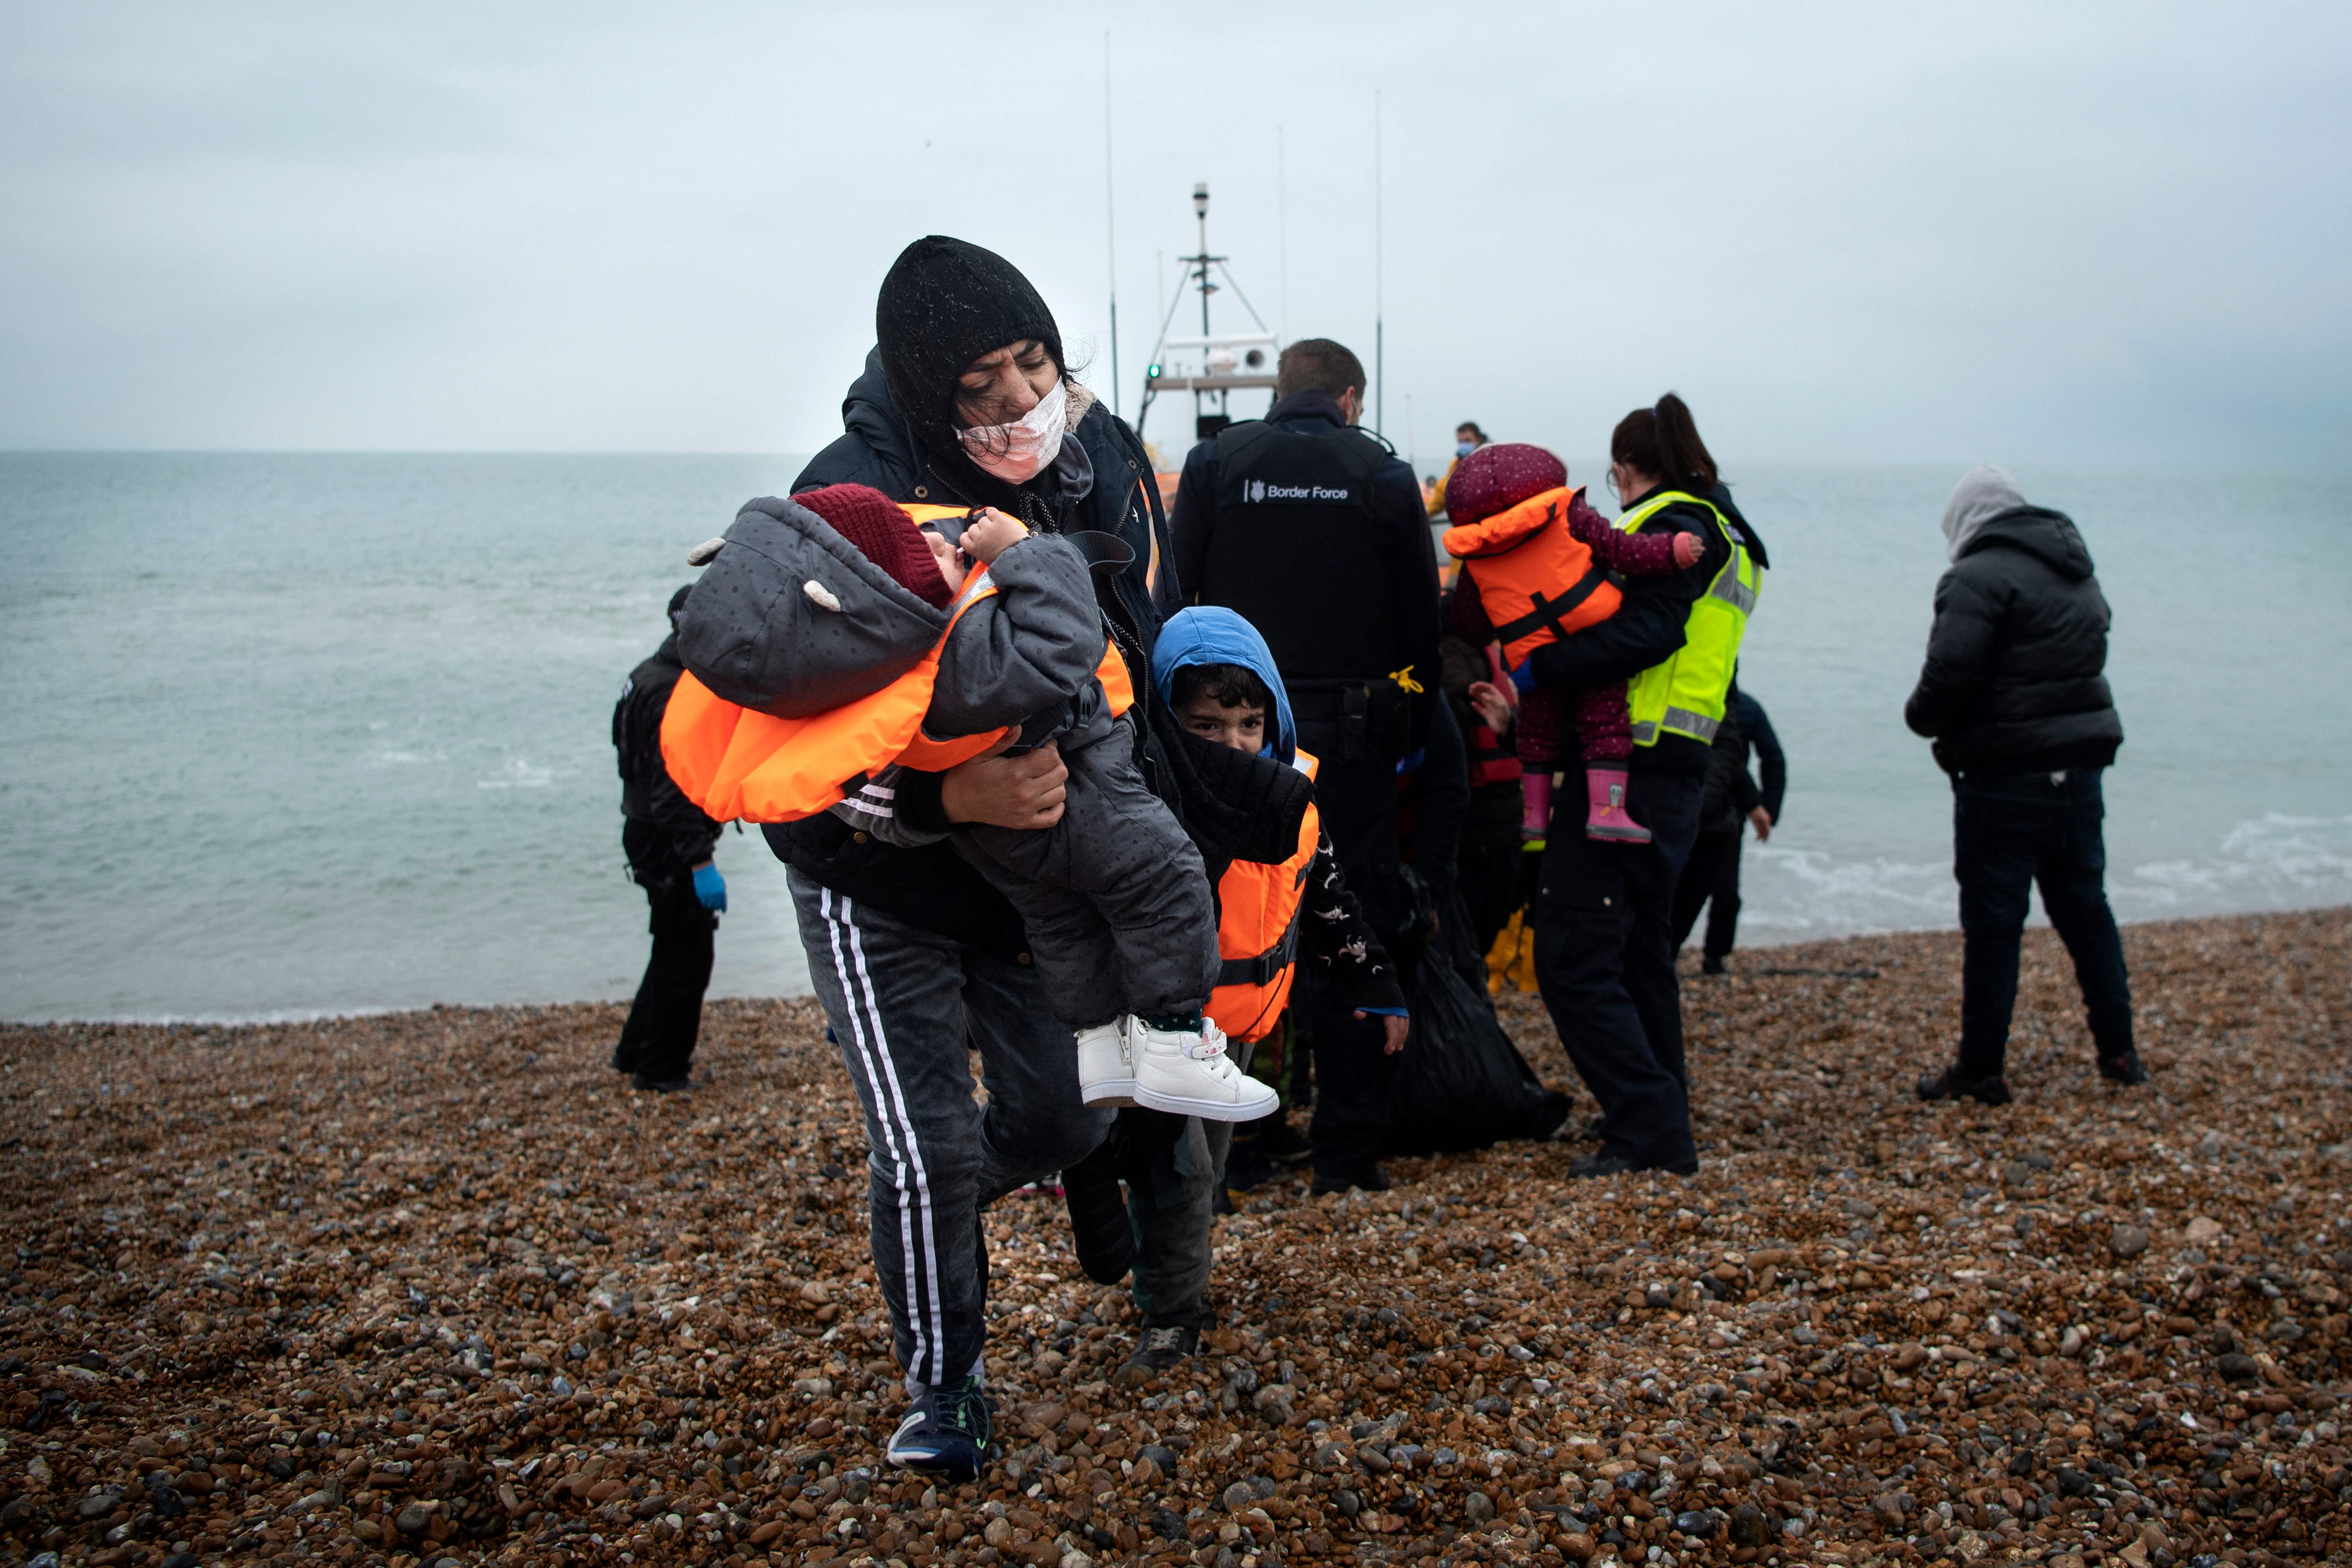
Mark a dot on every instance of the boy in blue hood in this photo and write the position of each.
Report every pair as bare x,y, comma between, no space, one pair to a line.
1214,673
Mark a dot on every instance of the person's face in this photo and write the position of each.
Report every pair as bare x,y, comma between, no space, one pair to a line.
1002,385
1241,728
1466,436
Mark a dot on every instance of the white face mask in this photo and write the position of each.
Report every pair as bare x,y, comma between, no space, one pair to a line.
1018,452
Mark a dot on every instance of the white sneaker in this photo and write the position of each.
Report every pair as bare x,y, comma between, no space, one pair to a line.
1106,1073
1187,1074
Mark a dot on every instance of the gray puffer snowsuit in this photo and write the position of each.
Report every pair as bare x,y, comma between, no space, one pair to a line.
791,619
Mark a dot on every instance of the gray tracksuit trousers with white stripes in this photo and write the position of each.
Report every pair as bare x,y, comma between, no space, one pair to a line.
906,1005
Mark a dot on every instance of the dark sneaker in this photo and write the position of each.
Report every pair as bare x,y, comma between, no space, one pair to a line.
1162,1347
2124,1068
1098,1222
1711,964
662,1082
1949,1085
625,1056
945,1432
1372,1178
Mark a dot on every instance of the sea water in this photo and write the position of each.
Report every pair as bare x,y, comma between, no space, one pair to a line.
290,734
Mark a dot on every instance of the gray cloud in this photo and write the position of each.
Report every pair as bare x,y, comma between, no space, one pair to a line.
2107,233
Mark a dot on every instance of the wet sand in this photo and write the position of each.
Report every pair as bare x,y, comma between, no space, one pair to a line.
436,1286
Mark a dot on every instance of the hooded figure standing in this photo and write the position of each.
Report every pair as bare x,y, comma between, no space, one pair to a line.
2014,698
916,958
668,842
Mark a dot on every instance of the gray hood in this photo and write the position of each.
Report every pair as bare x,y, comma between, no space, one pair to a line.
791,619
1984,494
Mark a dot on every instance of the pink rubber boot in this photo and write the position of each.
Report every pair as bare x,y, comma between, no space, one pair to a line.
1535,795
1604,818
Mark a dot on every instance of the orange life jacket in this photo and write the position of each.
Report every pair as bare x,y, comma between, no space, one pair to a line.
1258,932
1538,580
738,764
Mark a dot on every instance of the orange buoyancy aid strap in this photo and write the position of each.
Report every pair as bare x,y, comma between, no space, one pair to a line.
1549,612
1263,969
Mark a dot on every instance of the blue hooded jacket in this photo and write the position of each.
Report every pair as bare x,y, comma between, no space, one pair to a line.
1211,634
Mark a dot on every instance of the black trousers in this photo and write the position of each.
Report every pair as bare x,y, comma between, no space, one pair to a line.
1605,963
2012,832
665,1019
1490,870
1356,799
1710,879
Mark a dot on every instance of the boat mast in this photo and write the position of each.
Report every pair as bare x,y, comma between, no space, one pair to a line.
1201,211
1379,321
1110,229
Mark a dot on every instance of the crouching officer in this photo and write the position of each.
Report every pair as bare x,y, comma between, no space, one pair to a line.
1314,533
668,842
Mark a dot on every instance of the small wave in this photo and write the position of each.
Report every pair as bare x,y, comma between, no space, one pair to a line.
519,773
396,759
2270,862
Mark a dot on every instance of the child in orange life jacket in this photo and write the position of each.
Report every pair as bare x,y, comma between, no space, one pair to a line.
1535,561
1114,897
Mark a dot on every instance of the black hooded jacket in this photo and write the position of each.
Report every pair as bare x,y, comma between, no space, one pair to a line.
669,834
933,887
2014,680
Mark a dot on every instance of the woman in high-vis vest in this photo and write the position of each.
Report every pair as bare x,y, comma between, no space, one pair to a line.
1603,912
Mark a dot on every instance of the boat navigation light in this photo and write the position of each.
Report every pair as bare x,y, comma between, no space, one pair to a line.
1201,198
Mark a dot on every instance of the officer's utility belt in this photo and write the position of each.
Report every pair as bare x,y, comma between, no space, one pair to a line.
1266,966
1372,715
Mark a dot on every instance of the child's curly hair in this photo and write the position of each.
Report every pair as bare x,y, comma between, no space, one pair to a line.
1227,684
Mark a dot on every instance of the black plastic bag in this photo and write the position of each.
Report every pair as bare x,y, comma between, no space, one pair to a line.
1460,1082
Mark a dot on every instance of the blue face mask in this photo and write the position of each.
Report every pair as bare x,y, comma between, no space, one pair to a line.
1465,448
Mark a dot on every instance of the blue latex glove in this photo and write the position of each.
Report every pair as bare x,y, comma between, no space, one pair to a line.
710,889
1524,676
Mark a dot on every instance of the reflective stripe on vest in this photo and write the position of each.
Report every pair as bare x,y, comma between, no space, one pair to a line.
1685,694
1257,931
740,765
1520,558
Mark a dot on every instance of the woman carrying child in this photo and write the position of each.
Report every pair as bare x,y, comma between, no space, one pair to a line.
965,402
1603,905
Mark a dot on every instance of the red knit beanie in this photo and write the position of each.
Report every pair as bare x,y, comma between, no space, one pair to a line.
884,534
1497,478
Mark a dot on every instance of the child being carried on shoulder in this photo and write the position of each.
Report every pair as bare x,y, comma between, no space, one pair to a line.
1540,563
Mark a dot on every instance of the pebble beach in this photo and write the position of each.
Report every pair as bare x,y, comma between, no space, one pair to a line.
435,1287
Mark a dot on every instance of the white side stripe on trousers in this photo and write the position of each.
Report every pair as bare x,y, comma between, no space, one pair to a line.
890,1106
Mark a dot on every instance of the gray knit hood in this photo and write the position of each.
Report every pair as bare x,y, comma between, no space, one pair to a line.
1985,493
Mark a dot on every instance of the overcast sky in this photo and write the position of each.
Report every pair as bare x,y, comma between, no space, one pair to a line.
2106,233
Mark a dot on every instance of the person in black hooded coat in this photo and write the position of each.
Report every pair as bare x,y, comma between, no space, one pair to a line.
915,957
668,842
2014,696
